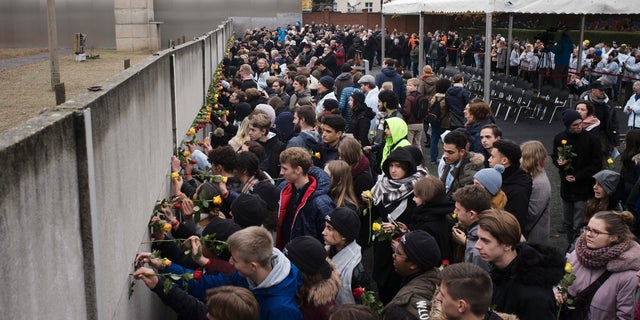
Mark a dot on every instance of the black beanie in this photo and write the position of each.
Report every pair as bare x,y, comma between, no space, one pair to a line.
249,210
422,249
345,221
569,116
223,228
309,255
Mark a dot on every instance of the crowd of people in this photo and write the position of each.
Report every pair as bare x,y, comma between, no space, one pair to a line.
314,164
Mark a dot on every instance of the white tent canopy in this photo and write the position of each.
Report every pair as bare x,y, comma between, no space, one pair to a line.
489,7
511,6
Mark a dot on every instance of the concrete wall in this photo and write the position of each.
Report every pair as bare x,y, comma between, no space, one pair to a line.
80,184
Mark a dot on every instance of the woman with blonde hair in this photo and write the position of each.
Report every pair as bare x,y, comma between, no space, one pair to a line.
341,190
538,220
262,74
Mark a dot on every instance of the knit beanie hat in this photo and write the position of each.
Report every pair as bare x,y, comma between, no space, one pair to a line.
268,110
309,255
327,82
510,150
243,109
422,249
345,221
491,178
569,116
608,180
249,210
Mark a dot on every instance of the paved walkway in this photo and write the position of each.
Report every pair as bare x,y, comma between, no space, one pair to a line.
13,63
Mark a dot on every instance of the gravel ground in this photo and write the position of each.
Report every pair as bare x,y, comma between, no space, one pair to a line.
25,79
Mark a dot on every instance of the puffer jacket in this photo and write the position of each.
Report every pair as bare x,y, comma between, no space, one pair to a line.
615,298
314,206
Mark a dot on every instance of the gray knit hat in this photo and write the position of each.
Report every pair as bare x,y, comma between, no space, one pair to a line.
491,178
608,180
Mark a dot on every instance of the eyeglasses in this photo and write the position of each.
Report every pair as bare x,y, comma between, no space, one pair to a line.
593,231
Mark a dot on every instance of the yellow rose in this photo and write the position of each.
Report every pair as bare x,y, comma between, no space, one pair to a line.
186,154
191,131
226,113
455,216
317,155
166,227
166,262
368,194
376,226
610,161
217,200
175,175
568,268
563,141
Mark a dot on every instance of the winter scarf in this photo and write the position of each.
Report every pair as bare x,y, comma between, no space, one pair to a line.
248,186
389,191
598,258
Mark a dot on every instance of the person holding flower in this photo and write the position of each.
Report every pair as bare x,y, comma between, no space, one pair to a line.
577,156
605,251
342,226
392,198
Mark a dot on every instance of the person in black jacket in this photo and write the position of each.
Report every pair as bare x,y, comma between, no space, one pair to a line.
259,130
361,116
457,97
516,183
432,208
523,274
576,172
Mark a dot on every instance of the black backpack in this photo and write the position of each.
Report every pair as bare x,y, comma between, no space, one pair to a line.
434,114
421,111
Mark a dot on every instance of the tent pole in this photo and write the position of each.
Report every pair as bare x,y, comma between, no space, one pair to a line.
487,58
510,41
420,45
383,36
580,46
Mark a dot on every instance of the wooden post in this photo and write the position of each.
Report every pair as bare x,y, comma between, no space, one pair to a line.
53,43
60,93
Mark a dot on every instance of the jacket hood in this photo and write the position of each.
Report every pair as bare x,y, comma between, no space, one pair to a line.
344,76
455,90
476,160
516,176
398,129
322,179
389,72
434,210
312,139
281,267
324,291
627,261
538,265
400,155
366,112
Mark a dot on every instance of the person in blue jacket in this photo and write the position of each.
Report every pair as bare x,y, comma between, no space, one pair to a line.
261,268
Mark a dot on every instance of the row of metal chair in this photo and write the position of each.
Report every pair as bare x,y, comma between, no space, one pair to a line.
513,93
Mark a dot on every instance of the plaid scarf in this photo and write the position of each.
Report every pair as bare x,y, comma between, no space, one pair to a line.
598,258
388,191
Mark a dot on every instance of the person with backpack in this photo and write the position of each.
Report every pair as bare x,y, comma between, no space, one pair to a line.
414,111
457,97
438,117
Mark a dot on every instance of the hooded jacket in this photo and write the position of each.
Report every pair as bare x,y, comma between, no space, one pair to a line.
360,124
456,99
316,301
313,207
307,139
390,74
416,295
525,286
615,298
343,80
272,149
275,295
517,185
431,217
399,130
